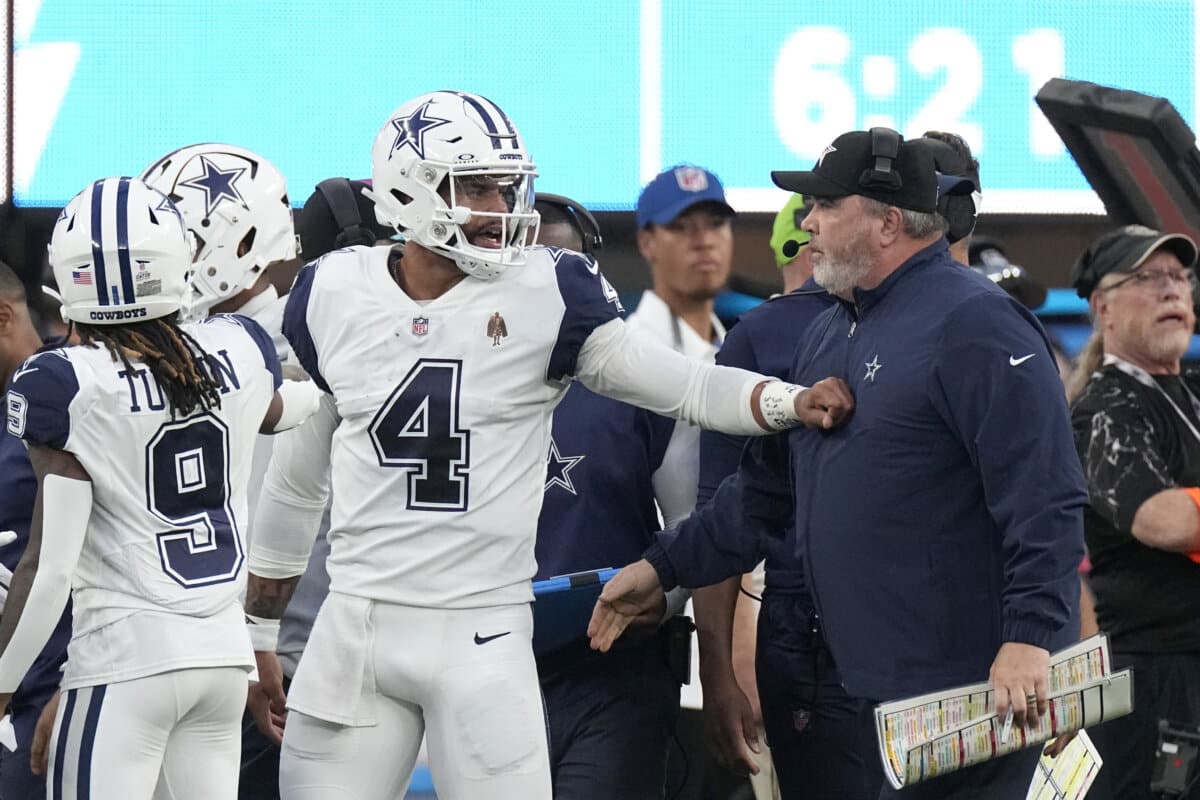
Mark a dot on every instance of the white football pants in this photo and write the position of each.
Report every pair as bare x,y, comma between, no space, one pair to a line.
171,736
465,679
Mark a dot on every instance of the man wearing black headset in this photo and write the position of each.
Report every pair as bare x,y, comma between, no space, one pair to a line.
941,528
810,722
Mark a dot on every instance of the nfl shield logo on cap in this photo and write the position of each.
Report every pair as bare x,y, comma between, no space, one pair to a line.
420,326
691,179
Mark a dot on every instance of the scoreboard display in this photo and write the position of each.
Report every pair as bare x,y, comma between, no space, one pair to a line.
605,95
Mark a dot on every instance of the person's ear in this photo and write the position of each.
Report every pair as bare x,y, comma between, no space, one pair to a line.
645,242
1098,306
892,226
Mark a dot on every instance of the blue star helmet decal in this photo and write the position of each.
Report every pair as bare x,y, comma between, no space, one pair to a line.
217,184
166,205
411,130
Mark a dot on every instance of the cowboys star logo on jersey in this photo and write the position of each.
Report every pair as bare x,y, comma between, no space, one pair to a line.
558,469
217,184
411,130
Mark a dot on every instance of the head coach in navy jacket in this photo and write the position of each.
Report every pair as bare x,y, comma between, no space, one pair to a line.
941,525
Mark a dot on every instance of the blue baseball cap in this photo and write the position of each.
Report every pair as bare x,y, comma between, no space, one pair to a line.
675,190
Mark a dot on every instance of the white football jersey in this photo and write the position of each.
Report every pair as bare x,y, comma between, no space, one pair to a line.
158,580
439,461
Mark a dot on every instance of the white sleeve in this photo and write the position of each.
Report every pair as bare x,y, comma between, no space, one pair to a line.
66,509
294,494
676,478
674,484
635,368
300,400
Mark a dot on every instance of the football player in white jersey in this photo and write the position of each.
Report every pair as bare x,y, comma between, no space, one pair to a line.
235,203
443,361
141,439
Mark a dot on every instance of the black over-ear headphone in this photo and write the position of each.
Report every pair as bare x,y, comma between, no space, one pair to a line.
959,212
958,209
585,224
885,148
339,194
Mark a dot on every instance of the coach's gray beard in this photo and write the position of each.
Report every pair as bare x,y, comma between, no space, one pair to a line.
839,276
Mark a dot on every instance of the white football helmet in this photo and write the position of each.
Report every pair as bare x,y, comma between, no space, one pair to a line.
235,203
430,156
120,253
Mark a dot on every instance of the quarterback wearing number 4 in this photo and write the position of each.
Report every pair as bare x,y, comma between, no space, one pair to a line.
437,425
141,439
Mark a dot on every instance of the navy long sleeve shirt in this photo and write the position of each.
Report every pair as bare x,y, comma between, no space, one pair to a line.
945,517
765,341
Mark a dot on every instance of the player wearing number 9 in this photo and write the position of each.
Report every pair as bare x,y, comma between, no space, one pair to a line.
141,438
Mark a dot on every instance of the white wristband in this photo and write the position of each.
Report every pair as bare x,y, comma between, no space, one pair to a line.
300,401
777,402
264,633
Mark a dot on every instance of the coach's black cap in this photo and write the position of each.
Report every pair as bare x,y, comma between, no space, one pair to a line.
1124,250
877,164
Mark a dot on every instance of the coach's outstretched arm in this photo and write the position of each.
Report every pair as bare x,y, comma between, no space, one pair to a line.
634,368
722,538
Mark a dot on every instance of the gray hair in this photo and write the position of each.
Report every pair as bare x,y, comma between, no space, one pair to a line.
922,225
1091,358
917,224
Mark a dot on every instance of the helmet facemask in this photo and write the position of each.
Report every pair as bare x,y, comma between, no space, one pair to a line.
480,240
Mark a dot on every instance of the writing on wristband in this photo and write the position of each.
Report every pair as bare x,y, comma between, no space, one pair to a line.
777,403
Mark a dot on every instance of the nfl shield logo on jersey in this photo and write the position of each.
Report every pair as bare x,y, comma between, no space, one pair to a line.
420,326
691,179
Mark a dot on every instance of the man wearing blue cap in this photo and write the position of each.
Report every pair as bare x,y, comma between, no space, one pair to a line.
685,233
941,527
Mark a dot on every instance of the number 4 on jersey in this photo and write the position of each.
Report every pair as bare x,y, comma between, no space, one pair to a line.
417,429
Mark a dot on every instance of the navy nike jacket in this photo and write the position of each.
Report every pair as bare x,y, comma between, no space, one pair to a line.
946,516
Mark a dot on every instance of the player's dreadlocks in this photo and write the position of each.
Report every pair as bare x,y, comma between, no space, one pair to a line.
177,361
